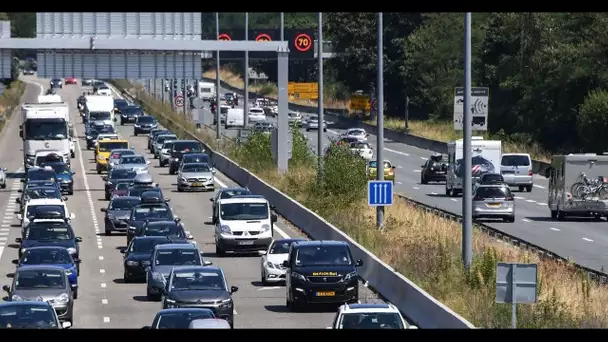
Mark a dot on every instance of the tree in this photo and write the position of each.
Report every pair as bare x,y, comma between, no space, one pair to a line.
592,122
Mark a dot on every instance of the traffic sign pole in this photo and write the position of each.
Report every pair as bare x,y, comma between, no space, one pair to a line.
320,100
218,134
467,196
246,100
380,119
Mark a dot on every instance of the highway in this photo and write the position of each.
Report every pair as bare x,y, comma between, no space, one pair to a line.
584,241
104,301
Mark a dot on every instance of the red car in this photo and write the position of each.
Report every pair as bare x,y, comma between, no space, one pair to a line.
71,80
121,189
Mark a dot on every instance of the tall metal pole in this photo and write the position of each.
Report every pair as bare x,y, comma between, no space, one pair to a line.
320,98
283,104
246,99
282,26
467,206
218,134
380,117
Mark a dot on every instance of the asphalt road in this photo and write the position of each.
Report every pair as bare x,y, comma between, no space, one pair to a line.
584,241
104,300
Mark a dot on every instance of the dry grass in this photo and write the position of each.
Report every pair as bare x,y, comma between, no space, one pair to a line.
426,248
270,89
10,99
444,131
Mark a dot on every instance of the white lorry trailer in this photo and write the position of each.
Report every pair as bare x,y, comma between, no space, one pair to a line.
577,185
486,157
44,126
99,108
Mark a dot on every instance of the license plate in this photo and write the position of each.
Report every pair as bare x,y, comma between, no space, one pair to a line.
508,172
494,205
326,294
245,243
197,184
440,172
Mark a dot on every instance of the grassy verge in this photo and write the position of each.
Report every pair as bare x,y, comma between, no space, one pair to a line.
422,246
10,99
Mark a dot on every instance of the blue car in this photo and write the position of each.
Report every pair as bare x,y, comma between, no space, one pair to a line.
51,255
65,176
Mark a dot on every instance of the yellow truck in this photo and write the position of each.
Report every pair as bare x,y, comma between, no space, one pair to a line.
104,147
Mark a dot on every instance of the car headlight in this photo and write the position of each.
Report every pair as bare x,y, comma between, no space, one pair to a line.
225,230
132,263
265,228
62,298
176,159
111,217
16,298
136,125
72,250
349,276
298,276
158,277
169,301
68,272
182,179
269,264
23,250
89,137
225,303
101,158
132,228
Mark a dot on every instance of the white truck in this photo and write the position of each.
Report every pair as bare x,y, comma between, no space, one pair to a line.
206,90
49,99
486,157
57,99
99,108
44,126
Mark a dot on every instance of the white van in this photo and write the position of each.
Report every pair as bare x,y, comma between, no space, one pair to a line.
516,170
206,90
235,117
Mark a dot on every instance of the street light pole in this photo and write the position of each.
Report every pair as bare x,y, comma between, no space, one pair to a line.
246,100
320,98
467,196
380,117
218,133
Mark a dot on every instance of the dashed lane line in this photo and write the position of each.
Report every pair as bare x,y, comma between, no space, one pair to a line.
526,220
587,239
9,214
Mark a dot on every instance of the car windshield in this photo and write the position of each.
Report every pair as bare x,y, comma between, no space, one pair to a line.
132,160
59,168
106,146
164,229
181,320
124,203
313,118
44,256
35,193
196,168
373,164
152,212
27,317
177,257
131,110
33,209
162,138
371,320
198,280
122,174
492,192
356,132
323,256
122,186
515,160
119,103
187,147
100,116
363,146
196,158
280,247
234,192
138,190
41,175
46,129
44,231
244,211
39,279
145,119
146,245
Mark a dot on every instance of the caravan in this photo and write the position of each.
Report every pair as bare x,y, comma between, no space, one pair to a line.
99,108
486,155
206,90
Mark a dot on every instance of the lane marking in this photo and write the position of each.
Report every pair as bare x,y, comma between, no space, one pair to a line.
433,193
398,182
538,186
100,257
106,319
416,188
424,158
453,200
104,301
541,204
518,197
587,239
417,170
526,220
101,270
531,201
396,152
399,167
554,229
103,285
270,288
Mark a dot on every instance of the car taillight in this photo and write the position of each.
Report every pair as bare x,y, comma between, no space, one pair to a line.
477,198
530,173
115,156
509,198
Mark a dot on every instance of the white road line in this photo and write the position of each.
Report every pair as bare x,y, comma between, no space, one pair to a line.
101,270
398,182
554,229
417,170
399,167
538,186
518,197
531,201
433,193
270,288
106,319
526,220
542,204
424,158
100,257
396,152
453,200
104,301
587,239
103,285
416,188
276,229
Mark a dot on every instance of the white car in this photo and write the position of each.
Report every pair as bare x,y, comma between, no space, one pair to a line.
104,90
43,155
256,115
35,204
313,123
272,261
370,316
357,133
363,149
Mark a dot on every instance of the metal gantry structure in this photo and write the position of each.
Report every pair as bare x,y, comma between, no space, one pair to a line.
128,45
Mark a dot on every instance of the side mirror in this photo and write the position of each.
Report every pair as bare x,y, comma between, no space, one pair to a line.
78,261
20,190
72,216
19,217
167,200
412,327
22,180
103,210
73,173
147,162
104,178
207,263
6,288
210,200
273,218
18,240
285,263
66,325
78,239
177,219
18,200
392,167
272,207
123,250
233,289
64,198
15,262
20,133
359,263
146,327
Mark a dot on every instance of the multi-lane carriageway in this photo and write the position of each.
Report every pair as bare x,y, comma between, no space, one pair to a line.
584,241
104,301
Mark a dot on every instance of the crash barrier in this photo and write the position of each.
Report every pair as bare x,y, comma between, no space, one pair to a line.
340,116
418,306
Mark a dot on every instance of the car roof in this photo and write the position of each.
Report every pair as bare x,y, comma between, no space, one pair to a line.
46,201
45,247
124,198
378,307
197,164
244,199
492,186
167,135
176,246
195,141
306,243
25,303
197,267
172,310
155,237
47,267
158,223
234,189
516,154
195,154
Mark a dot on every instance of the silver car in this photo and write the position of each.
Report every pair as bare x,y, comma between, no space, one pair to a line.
294,118
158,143
493,201
135,162
115,155
165,153
47,283
313,123
516,170
357,133
2,177
195,176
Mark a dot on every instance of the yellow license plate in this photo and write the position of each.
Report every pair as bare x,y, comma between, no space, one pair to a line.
197,184
494,205
326,294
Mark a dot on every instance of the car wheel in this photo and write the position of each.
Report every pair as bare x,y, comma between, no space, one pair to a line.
126,278
219,251
529,188
263,278
71,192
122,123
3,186
78,269
98,171
135,133
308,130
108,232
155,156
180,189
75,293
72,154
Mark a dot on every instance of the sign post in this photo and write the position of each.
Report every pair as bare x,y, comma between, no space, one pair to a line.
479,108
303,91
516,284
379,193
179,101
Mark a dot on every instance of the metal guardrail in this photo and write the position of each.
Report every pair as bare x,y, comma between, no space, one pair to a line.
418,306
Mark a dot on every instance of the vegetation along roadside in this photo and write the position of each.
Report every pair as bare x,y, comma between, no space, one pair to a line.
420,245
10,99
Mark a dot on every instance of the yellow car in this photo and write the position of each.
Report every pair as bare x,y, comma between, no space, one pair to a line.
102,152
389,170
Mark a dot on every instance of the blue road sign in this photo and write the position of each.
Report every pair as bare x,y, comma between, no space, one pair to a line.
379,193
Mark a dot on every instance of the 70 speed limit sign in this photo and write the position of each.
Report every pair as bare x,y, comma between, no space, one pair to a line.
179,101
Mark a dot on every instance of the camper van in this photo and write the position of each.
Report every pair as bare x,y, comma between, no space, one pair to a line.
235,117
206,90
577,185
486,157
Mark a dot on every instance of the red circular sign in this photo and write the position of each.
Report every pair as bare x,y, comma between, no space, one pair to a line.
263,37
303,42
224,36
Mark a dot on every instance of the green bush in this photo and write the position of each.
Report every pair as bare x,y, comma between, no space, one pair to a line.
592,121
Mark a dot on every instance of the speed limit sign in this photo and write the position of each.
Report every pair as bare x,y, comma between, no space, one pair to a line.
374,105
179,101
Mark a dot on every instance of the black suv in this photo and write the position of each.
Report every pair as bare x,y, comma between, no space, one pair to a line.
320,272
433,170
181,147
